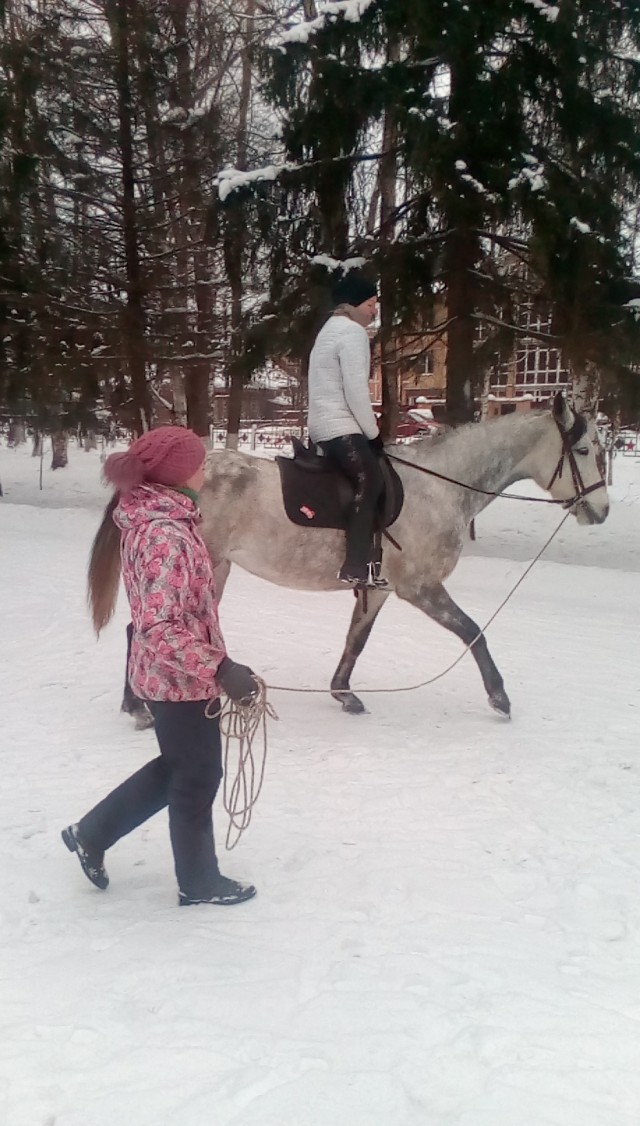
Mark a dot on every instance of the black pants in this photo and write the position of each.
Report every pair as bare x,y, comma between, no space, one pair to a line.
361,465
185,777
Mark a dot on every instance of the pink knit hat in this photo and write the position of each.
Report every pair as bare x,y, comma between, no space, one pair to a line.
169,455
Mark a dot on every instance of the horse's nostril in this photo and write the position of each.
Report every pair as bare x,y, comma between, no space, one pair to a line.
599,515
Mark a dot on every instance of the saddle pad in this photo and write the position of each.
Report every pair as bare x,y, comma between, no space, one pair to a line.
322,497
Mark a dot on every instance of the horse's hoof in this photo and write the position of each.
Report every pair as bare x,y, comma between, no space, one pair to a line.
501,704
350,703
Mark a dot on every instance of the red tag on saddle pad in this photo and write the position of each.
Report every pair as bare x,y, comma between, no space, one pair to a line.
306,511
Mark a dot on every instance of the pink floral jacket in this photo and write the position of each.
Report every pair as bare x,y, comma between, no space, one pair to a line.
168,575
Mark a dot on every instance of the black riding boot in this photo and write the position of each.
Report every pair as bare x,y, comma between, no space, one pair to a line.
353,454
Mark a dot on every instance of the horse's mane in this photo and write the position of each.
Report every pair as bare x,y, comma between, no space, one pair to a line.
443,441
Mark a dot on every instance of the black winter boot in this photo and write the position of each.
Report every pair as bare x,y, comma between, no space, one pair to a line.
225,894
92,863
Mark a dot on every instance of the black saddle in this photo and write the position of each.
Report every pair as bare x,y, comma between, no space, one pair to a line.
317,494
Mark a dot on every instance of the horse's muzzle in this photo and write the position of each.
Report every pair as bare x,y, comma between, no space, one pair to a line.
587,513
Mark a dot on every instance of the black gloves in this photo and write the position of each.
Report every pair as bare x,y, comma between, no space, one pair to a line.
237,681
377,445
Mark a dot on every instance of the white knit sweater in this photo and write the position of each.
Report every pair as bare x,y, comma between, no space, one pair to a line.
339,399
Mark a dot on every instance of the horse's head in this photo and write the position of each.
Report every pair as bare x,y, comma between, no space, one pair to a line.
575,464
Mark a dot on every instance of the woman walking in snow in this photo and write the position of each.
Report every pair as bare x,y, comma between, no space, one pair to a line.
178,666
341,418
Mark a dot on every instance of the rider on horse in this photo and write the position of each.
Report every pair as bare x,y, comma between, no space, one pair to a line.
341,418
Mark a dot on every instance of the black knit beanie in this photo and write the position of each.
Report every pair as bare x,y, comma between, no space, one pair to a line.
354,289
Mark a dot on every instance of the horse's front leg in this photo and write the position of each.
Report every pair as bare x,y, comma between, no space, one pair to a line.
439,605
359,630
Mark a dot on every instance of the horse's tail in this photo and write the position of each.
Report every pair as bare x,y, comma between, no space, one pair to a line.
104,569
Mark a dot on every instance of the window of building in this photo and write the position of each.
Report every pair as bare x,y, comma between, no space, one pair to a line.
536,366
535,318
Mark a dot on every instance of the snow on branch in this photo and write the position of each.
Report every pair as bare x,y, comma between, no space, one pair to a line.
352,10
230,179
549,11
584,228
331,264
532,174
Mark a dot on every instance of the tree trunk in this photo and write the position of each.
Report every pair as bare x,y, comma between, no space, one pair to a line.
121,14
236,375
234,241
192,205
461,255
17,434
388,179
38,440
165,218
59,447
611,447
180,408
585,389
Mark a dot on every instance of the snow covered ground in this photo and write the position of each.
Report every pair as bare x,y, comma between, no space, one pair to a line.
447,931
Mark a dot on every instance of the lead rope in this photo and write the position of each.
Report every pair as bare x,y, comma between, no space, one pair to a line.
467,648
241,726
242,723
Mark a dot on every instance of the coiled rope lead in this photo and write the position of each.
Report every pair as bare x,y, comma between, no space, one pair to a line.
240,727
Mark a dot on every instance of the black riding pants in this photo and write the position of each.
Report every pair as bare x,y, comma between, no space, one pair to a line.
360,464
185,777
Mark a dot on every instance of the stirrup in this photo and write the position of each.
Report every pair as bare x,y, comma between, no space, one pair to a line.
373,581
375,578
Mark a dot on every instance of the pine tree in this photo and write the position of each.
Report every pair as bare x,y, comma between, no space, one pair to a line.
117,118
514,130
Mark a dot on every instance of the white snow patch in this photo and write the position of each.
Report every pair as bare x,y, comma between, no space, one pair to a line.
549,11
352,10
532,174
584,228
447,923
230,179
344,264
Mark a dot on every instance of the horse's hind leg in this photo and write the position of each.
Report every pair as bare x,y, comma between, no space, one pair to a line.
221,574
435,602
359,630
132,704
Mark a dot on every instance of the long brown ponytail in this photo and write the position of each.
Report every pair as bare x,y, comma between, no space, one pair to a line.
104,569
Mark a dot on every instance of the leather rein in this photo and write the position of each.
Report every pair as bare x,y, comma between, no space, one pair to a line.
568,438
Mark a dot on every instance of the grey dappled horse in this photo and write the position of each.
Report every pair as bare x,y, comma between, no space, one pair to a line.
244,522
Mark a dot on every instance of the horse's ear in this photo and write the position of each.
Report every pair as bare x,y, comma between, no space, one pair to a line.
562,412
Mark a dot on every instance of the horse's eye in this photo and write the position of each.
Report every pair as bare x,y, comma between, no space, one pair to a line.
582,450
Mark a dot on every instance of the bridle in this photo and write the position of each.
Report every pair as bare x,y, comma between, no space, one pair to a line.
568,438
